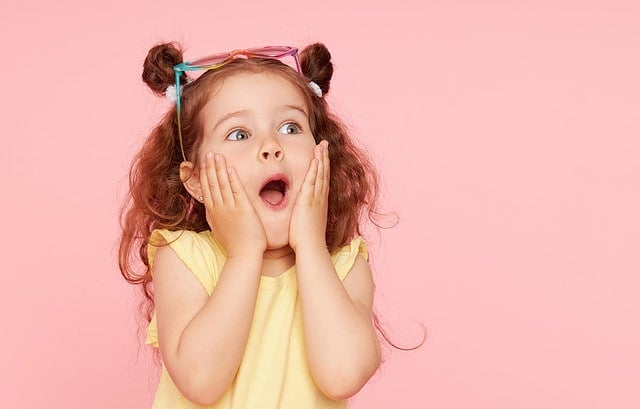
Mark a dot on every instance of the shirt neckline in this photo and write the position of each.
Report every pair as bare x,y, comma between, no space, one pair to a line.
265,281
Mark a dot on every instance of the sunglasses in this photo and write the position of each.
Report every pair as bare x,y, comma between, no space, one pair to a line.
216,61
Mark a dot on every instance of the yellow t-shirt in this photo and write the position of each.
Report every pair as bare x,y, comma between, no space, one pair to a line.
274,373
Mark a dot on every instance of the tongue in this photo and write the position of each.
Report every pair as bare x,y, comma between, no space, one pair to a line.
271,196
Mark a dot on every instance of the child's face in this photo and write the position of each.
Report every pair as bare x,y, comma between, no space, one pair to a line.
260,123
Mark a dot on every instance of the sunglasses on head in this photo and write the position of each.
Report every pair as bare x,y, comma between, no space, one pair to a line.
218,60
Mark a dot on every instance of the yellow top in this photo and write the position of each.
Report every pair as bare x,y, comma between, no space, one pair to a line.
274,372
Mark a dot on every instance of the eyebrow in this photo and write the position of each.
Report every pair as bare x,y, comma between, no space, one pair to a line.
244,112
229,116
297,108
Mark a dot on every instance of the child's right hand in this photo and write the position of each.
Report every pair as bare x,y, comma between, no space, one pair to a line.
230,215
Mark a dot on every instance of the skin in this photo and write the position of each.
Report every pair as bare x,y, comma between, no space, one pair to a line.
264,135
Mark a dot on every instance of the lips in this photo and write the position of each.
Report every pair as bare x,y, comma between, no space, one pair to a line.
274,191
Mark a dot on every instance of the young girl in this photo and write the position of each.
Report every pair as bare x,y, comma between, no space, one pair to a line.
245,209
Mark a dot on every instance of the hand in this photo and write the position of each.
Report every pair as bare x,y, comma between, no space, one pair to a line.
309,216
231,216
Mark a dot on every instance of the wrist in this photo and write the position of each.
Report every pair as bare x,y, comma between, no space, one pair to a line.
311,248
245,262
250,249
246,254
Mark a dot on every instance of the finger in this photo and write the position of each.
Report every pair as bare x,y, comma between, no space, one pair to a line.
237,188
327,168
319,187
310,178
212,181
204,185
223,179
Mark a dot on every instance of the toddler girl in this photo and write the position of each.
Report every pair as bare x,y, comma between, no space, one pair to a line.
245,210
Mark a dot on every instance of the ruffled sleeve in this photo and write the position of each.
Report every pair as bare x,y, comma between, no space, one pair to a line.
198,251
344,258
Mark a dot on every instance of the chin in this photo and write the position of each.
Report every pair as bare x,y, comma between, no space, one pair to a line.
274,243
277,238
277,229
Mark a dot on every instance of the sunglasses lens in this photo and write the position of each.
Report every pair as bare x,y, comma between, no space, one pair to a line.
209,60
272,51
287,55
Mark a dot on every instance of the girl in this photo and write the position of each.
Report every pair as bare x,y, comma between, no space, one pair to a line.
245,209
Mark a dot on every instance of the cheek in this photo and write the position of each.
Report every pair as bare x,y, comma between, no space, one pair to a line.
234,155
206,147
301,157
233,158
245,168
304,148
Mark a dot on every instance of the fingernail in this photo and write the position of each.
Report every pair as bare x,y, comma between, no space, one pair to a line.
216,157
209,155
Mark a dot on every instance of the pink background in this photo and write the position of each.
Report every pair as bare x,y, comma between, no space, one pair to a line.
508,138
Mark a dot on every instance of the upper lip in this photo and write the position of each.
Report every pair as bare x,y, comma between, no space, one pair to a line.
277,176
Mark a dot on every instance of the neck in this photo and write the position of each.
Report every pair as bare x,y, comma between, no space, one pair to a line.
277,261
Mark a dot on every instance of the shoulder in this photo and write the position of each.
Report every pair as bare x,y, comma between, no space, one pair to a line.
183,242
180,239
358,278
199,252
345,258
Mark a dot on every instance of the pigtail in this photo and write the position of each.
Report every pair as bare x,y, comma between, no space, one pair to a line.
315,61
157,197
158,67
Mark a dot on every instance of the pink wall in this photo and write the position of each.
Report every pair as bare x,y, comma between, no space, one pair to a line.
508,136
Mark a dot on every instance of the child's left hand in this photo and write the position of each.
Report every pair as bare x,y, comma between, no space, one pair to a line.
309,216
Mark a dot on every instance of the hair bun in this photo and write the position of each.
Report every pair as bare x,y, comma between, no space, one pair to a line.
158,66
315,61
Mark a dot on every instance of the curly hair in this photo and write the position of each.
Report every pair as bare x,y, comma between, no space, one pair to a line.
158,198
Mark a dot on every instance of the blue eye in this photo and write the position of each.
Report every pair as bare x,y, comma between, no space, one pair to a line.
238,135
289,128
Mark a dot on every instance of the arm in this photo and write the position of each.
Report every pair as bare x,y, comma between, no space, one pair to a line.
202,339
342,345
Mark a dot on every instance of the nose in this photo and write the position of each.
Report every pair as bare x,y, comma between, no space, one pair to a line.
271,150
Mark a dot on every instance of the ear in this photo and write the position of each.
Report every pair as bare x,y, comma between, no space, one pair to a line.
191,179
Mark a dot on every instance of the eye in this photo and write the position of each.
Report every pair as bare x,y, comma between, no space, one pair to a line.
290,128
238,135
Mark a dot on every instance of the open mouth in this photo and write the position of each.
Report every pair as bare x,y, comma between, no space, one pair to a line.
274,192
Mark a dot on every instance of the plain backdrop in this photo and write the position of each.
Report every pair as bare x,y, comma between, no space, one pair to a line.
507,135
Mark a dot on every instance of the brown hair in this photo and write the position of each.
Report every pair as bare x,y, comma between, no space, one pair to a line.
158,198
